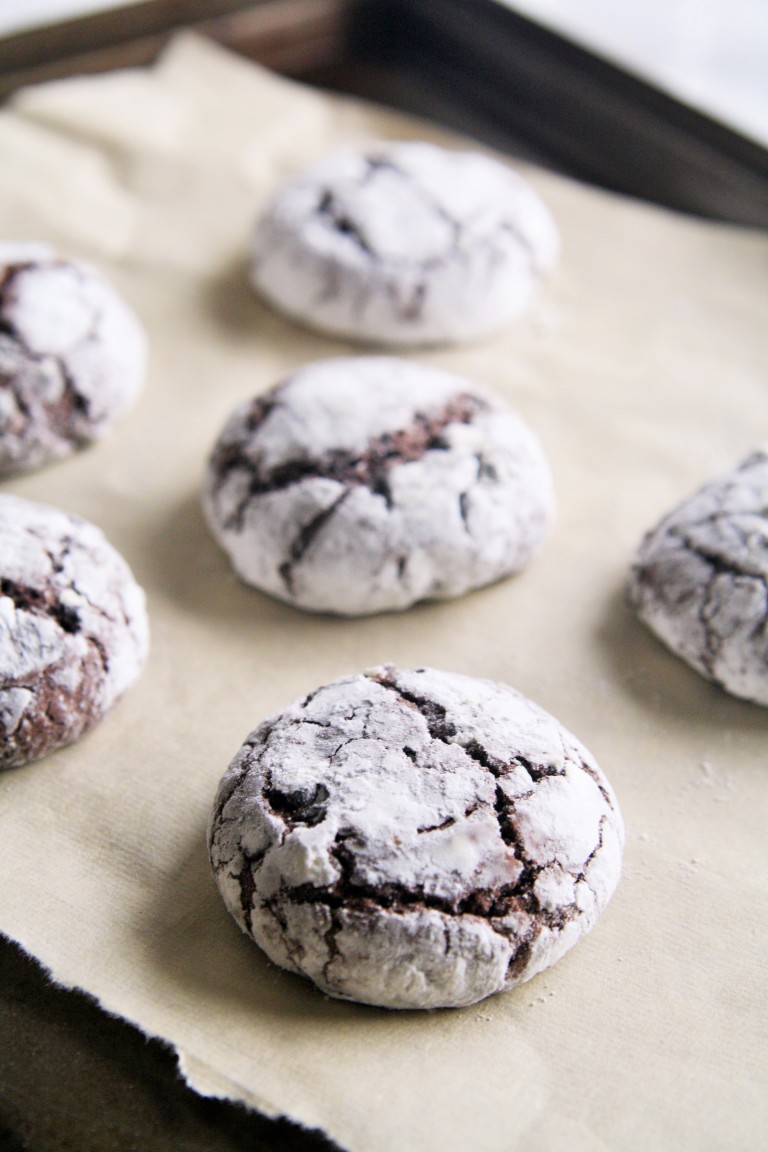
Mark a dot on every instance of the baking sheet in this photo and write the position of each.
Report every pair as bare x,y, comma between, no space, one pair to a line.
642,369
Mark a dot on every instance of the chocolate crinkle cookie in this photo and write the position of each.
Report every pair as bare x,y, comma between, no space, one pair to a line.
363,485
72,356
73,629
404,243
415,839
700,580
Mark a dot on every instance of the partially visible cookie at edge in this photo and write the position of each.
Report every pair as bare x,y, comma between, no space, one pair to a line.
415,839
700,580
74,633
404,243
366,484
72,356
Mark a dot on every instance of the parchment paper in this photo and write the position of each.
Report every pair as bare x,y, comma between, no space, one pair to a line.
643,369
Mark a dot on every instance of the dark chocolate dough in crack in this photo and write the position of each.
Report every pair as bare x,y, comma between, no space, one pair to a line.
415,839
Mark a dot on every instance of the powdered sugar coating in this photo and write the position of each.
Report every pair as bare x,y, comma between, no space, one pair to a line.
415,839
404,243
72,356
366,484
700,580
73,629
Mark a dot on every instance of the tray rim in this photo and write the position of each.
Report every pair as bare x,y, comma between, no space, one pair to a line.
477,65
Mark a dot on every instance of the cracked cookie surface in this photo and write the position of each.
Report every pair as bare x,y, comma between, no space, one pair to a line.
404,243
72,356
700,580
415,839
366,484
73,629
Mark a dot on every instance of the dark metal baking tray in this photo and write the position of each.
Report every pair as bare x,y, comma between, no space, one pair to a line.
472,64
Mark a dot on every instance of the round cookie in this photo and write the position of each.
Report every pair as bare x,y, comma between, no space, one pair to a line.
364,485
700,580
72,356
404,243
73,629
415,839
